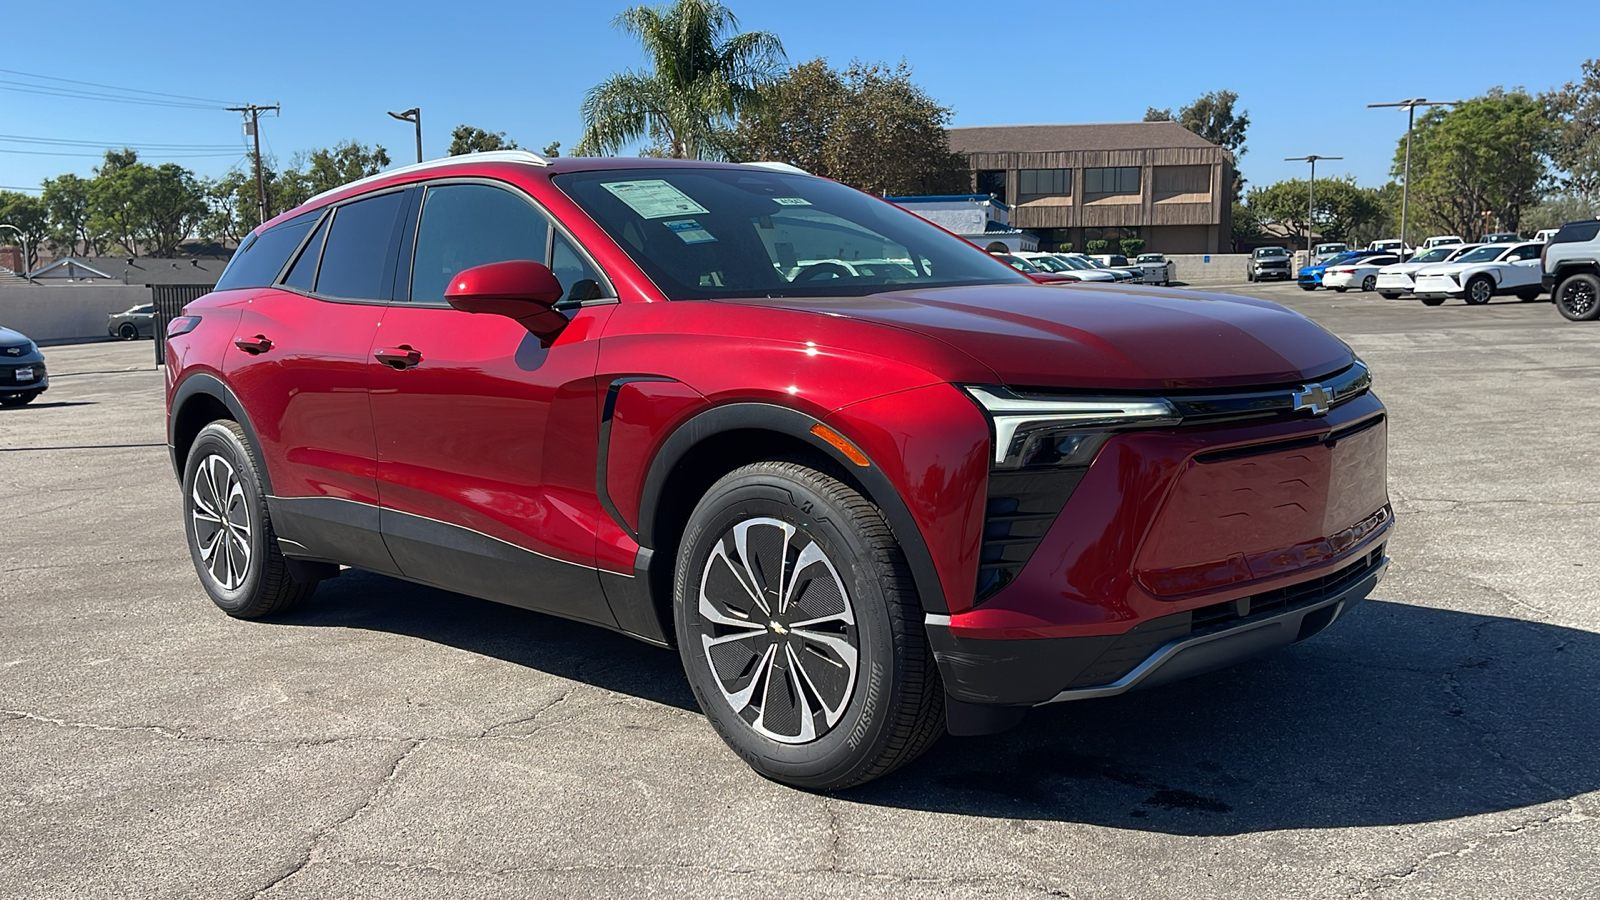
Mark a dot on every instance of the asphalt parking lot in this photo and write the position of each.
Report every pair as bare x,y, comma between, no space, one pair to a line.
388,740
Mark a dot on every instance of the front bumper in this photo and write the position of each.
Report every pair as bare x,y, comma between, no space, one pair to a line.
1437,286
1400,283
1271,272
10,386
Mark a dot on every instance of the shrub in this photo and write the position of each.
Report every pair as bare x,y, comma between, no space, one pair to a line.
1096,248
1132,246
1062,247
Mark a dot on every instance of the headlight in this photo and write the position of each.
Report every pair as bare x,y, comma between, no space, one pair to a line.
1065,431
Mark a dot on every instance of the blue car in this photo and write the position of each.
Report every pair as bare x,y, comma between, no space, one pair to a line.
1311,276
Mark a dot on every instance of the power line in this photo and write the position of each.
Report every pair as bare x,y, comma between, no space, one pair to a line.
114,88
132,145
75,94
155,153
17,187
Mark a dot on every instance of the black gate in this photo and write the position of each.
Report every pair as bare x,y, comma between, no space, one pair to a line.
170,300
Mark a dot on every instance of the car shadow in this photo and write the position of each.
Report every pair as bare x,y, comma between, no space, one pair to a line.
1399,714
53,404
586,653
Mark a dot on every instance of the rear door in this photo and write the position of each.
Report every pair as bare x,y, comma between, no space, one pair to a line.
486,438
1520,267
299,364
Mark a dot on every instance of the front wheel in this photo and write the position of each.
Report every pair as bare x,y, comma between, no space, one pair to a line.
1389,295
1308,287
128,331
1528,296
231,541
1369,283
1480,290
1433,301
1340,290
19,399
1578,297
800,629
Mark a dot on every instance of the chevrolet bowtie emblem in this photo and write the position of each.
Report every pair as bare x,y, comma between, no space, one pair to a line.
1313,397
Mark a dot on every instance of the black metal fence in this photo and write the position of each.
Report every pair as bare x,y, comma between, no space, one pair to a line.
170,300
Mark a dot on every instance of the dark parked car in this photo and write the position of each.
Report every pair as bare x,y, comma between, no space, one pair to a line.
865,506
138,322
22,373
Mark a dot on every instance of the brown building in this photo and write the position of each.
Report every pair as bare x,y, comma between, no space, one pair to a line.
1071,184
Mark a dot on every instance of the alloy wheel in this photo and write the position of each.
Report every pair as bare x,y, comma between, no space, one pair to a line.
221,514
778,630
1578,299
1480,291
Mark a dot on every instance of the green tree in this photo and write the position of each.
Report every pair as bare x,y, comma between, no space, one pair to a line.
1343,211
703,74
146,208
324,169
1575,146
551,150
467,139
869,126
1478,166
231,205
27,215
1557,210
67,201
1212,117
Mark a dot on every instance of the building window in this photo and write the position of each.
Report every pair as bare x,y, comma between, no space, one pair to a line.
1119,180
1045,183
993,183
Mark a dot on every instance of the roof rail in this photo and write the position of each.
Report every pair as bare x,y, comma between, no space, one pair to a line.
525,157
779,167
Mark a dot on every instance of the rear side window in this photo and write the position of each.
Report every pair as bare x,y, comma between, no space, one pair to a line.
356,252
303,274
260,258
466,225
1577,232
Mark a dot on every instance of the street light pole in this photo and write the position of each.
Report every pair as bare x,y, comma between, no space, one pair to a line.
1311,195
414,114
1410,106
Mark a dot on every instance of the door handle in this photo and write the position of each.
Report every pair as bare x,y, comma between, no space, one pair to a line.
253,346
401,357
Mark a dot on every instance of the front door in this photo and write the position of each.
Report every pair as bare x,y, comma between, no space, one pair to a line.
487,439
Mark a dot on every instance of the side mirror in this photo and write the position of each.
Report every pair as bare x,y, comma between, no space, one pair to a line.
519,289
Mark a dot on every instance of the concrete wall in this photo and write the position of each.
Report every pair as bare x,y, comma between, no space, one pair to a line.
1222,268
66,312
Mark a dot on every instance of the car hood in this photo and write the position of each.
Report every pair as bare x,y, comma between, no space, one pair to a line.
1105,337
10,338
1405,268
1446,268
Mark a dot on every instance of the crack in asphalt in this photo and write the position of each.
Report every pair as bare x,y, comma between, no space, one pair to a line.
322,834
534,716
1467,848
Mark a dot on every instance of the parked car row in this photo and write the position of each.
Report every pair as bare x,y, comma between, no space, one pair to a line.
1072,267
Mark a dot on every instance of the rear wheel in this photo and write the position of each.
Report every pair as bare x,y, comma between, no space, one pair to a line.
1433,301
231,541
1578,297
1389,295
1340,289
1369,283
128,331
1479,290
1529,295
800,629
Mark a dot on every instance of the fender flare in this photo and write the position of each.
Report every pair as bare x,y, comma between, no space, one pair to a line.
744,416
212,386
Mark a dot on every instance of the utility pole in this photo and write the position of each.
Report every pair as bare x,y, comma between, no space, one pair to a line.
414,114
254,112
1410,106
1311,195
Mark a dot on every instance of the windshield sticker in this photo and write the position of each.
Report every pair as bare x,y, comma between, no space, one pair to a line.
689,231
654,199
791,201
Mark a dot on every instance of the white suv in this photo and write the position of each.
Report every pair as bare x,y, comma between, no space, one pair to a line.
1571,269
1478,275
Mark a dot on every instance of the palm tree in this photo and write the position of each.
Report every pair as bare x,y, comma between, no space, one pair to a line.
705,73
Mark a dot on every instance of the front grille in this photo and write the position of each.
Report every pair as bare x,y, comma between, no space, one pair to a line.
1022,504
8,373
1138,643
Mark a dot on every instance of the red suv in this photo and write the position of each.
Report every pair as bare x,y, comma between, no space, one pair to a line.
873,483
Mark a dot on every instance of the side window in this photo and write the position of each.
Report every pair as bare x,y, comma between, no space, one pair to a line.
466,225
259,259
577,277
357,248
304,271
1526,253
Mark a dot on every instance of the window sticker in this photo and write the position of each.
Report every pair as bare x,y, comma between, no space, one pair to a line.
791,201
654,199
689,231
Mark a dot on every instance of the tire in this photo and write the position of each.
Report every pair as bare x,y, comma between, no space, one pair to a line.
1369,283
20,399
128,331
1578,297
259,585
1528,296
1432,301
1389,295
1340,290
1308,287
1479,290
822,730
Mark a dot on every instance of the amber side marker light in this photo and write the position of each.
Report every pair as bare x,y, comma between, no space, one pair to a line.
844,446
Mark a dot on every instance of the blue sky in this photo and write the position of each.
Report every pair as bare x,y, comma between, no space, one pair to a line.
1303,71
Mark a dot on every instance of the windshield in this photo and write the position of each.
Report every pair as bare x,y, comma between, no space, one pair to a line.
1049,263
1437,254
1482,254
704,233
1077,262
1016,262
1266,252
